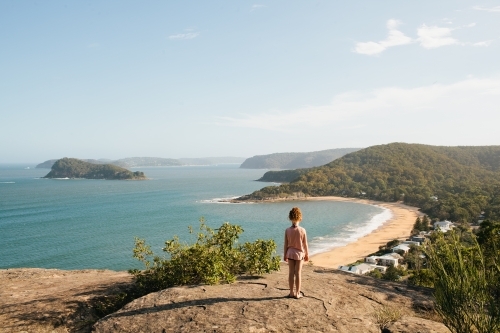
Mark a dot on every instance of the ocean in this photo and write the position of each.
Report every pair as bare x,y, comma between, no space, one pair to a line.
91,224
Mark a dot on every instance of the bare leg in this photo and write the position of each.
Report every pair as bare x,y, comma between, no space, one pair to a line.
291,274
298,276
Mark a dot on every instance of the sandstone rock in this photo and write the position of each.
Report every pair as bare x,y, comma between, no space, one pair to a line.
333,302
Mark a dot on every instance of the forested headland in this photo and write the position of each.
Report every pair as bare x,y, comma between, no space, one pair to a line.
457,183
295,160
75,168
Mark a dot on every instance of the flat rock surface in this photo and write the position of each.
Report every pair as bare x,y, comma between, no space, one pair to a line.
333,302
50,300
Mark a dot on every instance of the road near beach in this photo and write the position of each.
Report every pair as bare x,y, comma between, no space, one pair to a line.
398,227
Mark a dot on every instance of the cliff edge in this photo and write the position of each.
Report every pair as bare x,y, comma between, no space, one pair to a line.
37,300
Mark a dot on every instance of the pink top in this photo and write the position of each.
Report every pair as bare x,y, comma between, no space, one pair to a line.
296,238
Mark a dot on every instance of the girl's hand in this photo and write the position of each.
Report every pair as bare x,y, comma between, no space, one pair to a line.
306,258
285,258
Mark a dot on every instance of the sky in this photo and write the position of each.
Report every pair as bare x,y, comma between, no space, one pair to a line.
174,79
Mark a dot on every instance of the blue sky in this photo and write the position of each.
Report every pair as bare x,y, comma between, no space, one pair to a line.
114,79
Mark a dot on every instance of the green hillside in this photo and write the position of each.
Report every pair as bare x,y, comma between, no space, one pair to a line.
74,168
456,183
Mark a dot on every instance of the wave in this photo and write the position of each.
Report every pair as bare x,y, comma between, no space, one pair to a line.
7,182
225,200
349,233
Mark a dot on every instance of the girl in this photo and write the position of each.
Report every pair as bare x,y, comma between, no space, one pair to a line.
295,251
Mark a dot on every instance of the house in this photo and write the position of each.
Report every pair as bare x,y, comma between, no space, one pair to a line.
385,260
443,226
411,242
401,248
362,269
418,239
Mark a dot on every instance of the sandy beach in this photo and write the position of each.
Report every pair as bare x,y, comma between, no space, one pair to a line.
398,227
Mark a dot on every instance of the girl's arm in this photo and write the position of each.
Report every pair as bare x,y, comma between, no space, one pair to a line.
306,257
285,248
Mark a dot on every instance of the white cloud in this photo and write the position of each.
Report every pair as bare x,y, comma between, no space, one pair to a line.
394,38
483,43
493,9
256,6
433,37
188,35
472,99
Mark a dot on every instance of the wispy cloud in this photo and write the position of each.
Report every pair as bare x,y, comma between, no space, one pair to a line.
394,38
433,37
188,35
483,43
257,6
352,108
495,9
429,37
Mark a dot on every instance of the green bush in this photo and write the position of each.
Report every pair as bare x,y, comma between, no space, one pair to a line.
214,258
465,284
422,277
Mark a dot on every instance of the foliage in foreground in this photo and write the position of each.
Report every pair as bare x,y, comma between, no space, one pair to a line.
386,315
466,284
214,258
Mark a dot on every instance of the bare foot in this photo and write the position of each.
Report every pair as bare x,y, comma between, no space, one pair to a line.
299,295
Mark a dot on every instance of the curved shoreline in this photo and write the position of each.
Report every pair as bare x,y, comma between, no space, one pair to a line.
397,227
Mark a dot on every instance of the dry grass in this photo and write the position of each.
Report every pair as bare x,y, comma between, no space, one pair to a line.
386,315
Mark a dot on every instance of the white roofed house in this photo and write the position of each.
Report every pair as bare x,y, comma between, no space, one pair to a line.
443,226
385,260
401,249
362,269
390,259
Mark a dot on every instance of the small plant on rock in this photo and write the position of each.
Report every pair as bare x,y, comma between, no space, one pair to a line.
214,258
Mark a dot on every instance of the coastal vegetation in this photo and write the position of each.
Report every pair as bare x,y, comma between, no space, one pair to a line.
295,160
466,273
74,168
214,258
456,183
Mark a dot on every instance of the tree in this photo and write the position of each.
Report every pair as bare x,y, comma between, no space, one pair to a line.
417,227
422,277
425,223
214,258
391,274
464,285
375,273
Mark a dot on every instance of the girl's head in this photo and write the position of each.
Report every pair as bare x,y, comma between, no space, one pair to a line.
295,215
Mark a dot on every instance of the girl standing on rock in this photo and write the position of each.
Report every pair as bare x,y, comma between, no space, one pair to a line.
295,251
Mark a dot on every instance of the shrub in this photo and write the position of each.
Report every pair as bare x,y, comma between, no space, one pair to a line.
422,277
463,285
214,258
386,315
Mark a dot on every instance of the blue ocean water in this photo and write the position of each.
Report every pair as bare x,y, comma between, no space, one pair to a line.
79,224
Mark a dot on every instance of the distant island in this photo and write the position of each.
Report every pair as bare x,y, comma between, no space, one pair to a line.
75,168
134,162
295,160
